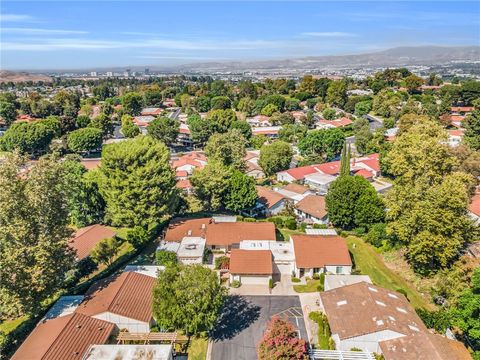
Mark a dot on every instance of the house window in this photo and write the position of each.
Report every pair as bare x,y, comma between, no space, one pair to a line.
316,270
339,270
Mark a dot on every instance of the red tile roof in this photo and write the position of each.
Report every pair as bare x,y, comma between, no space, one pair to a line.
300,172
90,164
183,184
330,168
462,108
128,294
364,173
232,233
86,238
251,262
474,206
179,228
64,338
268,197
313,205
455,132
317,251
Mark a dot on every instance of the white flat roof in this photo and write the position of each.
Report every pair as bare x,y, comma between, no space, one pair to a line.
337,281
281,250
65,305
321,231
128,352
191,247
320,178
172,246
149,270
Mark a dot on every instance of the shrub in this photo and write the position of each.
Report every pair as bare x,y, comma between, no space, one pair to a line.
249,219
137,236
278,221
316,276
222,262
164,257
376,235
235,284
322,278
290,224
105,251
295,279
270,283
320,226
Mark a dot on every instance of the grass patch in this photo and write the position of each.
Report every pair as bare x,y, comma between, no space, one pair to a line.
368,262
324,334
8,326
311,286
198,348
284,234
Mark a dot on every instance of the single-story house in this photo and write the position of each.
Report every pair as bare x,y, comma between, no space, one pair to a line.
375,319
125,300
294,192
254,170
474,208
251,267
66,337
315,254
227,236
312,209
179,228
319,181
269,202
86,238
151,111
190,162
189,250
149,270
268,131
282,252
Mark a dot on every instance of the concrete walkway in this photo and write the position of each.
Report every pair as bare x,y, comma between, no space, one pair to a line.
310,302
281,288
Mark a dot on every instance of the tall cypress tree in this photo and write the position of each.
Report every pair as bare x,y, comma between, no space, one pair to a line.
345,161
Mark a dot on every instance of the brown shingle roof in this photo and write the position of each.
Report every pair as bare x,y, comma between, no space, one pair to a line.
86,238
268,197
180,228
363,308
233,233
296,188
313,205
64,338
251,262
129,295
317,251
424,346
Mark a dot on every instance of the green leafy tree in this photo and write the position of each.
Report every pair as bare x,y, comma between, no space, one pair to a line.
203,104
211,185
244,128
257,141
31,138
228,149
322,144
34,250
200,129
247,106
387,103
84,140
472,130
242,193
221,120
352,201
104,123
292,104
221,102
275,157
137,182
292,133
8,112
164,257
269,109
281,341
337,93
85,204
103,92
129,129
187,298
282,118
413,82
470,91
104,252
164,129
138,236
132,103
83,121
329,114
363,107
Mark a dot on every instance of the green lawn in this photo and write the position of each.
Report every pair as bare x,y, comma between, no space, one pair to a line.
368,262
284,234
311,286
10,325
198,349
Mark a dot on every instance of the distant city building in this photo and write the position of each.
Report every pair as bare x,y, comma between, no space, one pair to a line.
93,73
127,73
147,71
109,73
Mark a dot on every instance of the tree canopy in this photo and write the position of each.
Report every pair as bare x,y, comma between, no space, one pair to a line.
164,129
275,157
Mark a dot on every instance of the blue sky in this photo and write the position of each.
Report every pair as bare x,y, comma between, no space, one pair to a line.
84,34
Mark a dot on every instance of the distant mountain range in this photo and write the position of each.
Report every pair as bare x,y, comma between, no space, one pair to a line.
400,56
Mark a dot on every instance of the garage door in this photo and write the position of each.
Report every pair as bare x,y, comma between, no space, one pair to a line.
254,280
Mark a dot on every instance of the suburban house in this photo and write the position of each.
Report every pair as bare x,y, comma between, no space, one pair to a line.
259,121
91,164
312,209
294,192
253,169
319,181
251,267
125,300
455,137
331,124
184,137
461,110
269,202
227,236
222,233
315,254
282,252
65,337
269,131
142,121
151,111
189,250
189,162
371,318
85,239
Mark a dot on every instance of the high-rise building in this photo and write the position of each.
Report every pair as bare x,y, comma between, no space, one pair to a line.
93,73
127,73
109,73
147,71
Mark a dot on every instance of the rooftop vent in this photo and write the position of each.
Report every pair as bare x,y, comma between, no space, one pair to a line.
380,303
402,310
342,302
393,296
189,233
414,328
379,322
372,289
191,246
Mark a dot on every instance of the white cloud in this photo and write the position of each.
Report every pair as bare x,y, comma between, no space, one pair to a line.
15,18
35,31
329,34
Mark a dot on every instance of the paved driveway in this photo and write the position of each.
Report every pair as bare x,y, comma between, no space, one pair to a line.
244,320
